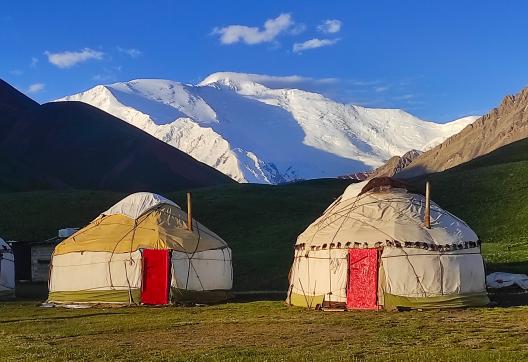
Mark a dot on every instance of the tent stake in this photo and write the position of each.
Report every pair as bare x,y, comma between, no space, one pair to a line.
427,205
189,212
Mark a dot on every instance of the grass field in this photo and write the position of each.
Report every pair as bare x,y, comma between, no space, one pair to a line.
262,331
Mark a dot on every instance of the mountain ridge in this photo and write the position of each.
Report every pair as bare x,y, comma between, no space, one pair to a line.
255,133
501,126
64,145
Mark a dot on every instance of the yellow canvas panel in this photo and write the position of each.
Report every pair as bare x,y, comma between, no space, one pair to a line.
161,228
308,301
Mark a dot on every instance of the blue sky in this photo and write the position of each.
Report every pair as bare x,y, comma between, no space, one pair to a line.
436,59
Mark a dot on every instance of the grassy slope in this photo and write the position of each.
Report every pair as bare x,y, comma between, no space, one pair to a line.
259,222
261,331
491,194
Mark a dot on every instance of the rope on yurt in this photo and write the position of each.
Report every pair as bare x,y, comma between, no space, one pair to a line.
130,298
355,205
441,276
329,250
190,260
309,305
137,222
203,231
1,258
405,252
392,237
315,288
344,218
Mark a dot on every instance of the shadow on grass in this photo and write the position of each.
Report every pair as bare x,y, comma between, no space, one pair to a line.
520,267
248,297
508,297
58,318
31,291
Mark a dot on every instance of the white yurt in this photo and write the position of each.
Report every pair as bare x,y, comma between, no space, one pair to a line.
7,271
372,249
143,250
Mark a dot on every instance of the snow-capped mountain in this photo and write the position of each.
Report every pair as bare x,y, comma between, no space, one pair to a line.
255,133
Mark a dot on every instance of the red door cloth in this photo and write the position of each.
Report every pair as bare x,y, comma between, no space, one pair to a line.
362,289
156,268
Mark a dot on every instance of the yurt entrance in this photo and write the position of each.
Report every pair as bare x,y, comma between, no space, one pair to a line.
362,291
156,274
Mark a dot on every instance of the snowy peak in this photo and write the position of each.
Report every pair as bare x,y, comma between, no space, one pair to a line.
248,127
164,100
239,78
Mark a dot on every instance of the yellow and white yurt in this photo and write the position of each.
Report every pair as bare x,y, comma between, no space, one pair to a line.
371,249
142,250
7,271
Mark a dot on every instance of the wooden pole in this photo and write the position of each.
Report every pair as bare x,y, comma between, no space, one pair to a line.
189,212
427,205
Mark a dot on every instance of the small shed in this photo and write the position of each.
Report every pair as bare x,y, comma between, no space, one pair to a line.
33,257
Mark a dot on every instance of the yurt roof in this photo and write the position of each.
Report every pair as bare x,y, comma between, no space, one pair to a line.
142,221
137,204
4,245
385,216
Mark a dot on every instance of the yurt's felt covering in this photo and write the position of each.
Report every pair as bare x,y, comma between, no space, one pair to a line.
104,261
7,271
420,267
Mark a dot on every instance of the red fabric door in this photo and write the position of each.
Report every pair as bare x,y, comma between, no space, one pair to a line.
362,279
156,267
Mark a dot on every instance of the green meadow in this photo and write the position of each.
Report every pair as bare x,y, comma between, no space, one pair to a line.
260,224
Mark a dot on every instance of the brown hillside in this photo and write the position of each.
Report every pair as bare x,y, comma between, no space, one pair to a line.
501,126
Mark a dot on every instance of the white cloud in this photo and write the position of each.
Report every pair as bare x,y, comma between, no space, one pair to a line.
107,74
103,77
131,52
34,62
330,26
16,72
270,81
298,29
253,35
381,88
326,86
313,44
275,81
68,59
36,87
405,97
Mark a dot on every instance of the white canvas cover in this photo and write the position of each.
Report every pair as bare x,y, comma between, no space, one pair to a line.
95,271
323,273
502,280
378,217
420,274
137,204
7,270
206,270
416,262
88,271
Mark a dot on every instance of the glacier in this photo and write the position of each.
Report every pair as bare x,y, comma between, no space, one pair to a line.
257,133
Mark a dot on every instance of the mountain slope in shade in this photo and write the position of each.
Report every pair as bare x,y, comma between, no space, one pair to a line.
74,145
253,132
395,164
501,126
